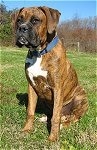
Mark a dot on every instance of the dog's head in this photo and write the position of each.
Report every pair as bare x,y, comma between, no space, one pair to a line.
32,25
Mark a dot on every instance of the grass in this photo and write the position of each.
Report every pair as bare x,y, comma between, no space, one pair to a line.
79,136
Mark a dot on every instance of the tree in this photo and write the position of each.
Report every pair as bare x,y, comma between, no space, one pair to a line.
79,30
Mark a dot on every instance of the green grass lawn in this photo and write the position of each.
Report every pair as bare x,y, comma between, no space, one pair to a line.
79,136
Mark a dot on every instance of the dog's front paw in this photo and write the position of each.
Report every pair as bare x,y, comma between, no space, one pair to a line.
27,128
53,137
29,124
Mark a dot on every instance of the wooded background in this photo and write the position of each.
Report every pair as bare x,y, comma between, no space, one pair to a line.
77,34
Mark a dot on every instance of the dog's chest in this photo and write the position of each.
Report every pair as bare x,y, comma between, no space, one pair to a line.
34,68
38,77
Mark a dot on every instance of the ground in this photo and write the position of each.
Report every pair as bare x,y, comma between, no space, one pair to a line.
79,136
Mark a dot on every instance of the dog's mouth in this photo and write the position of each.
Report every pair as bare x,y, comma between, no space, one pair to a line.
22,40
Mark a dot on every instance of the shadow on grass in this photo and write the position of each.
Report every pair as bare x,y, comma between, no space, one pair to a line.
43,107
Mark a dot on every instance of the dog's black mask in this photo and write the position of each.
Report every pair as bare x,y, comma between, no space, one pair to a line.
26,35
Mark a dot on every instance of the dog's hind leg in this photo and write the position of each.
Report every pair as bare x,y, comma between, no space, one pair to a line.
76,108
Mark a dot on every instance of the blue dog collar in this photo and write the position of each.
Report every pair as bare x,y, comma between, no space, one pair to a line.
49,47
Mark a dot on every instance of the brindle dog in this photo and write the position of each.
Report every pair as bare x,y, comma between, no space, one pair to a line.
50,74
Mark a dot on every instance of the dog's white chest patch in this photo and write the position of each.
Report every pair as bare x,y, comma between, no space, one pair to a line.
35,69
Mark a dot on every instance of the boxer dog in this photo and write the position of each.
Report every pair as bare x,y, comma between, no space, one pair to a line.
50,74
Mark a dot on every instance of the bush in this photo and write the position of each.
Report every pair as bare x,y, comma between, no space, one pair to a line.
6,34
5,26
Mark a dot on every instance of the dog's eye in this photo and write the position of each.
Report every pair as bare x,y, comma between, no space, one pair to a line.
20,19
35,21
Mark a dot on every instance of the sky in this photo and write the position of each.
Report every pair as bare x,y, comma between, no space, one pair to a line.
68,9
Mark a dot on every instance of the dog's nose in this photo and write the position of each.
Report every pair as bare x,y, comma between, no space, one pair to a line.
23,28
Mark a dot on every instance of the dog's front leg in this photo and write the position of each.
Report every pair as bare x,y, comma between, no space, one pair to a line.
32,100
56,118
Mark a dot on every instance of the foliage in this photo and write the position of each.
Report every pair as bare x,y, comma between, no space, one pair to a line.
6,37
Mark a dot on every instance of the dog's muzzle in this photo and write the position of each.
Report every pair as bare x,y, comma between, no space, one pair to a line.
27,36
22,35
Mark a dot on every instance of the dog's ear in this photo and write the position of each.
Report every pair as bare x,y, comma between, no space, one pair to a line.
14,16
52,18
